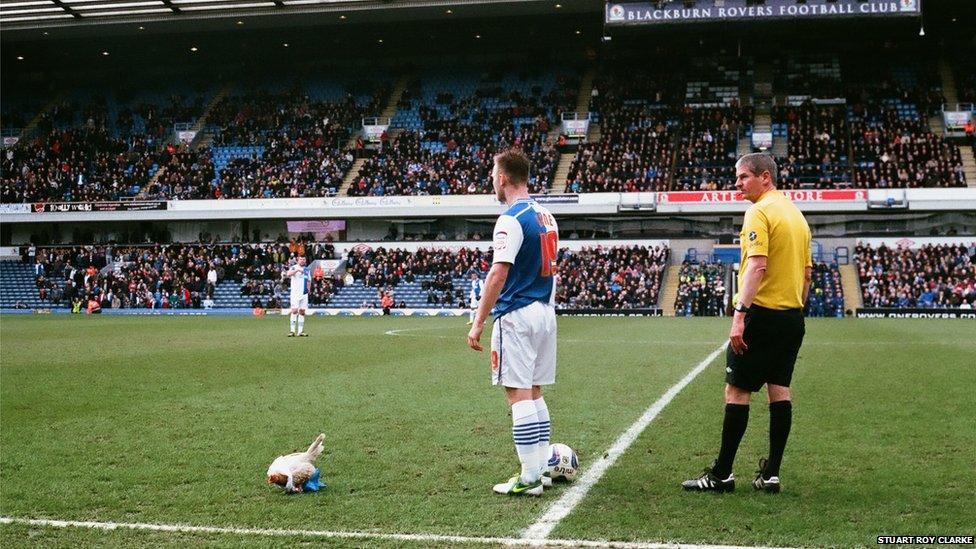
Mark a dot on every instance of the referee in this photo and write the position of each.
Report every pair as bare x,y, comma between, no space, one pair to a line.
767,327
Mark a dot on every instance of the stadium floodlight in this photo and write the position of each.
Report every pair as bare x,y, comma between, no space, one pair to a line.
229,6
25,4
5,19
31,10
125,12
122,5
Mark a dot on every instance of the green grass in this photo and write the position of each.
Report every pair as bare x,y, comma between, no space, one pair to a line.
174,420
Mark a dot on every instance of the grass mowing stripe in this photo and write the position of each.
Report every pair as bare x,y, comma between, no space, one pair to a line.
565,505
420,538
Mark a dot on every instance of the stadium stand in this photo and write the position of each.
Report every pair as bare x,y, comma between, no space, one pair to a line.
161,276
702,290
638,116
249,275
707,147
618,277
892,144
79,164
850,121
826,296
451,123
292,143
817,147
940,275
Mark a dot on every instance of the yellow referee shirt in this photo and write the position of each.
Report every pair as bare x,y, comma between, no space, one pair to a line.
775,228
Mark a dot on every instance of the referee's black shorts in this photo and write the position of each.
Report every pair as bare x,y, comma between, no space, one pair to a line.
774,339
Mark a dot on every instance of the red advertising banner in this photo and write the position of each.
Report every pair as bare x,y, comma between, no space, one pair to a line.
813,195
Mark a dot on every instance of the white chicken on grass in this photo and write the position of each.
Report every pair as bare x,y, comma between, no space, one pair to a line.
297,472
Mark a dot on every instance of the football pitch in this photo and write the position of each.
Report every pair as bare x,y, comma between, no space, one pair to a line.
174,420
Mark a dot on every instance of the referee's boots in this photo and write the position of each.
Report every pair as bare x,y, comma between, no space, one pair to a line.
764,482
708,482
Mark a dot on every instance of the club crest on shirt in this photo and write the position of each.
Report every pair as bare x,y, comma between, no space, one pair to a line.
501,240
752,236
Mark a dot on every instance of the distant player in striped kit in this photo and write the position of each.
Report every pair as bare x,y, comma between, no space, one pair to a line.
300,276
477,288
520,292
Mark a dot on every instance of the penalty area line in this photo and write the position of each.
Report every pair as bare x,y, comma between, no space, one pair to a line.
419,538
563,506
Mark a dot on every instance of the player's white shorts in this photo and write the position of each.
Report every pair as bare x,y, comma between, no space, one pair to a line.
523,347
299,301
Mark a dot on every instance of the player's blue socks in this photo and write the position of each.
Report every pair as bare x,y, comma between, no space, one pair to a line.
294,318
544,429
525,433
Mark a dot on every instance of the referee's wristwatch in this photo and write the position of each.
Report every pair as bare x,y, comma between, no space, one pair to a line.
739,307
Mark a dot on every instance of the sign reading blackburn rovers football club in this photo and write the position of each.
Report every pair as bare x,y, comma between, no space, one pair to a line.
649,13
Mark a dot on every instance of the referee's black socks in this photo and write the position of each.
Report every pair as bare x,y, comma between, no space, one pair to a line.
734,426
780,420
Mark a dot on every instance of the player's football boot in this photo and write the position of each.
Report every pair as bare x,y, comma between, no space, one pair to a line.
303,334
763,482
708,482
291,334
515,487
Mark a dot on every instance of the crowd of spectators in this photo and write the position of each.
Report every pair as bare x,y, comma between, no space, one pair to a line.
409,166
817,147
701,289
258,117
304,143
158,118
610,277
892,151
436,269
89,151
933,275
708,147
173,276
453,153
186,174
638,117
81,164
826,297
595,277
633,154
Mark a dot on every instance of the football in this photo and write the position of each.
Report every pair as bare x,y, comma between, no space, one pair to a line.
563,463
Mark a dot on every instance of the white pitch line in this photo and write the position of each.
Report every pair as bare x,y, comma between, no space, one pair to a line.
559,509
421,538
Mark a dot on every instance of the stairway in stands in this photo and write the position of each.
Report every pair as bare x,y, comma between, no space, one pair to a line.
28,130
852,287
948,83
388,111
968,164
202,138
763,101
560,180
670,291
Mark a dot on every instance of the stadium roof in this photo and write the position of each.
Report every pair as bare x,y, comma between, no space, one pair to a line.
42,14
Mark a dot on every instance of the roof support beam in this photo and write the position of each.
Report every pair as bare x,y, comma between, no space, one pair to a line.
66,8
